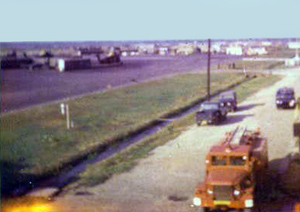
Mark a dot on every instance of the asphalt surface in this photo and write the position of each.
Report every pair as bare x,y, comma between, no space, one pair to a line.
21,88
165,181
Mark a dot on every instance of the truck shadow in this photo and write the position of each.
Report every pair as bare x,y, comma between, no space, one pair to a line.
232,119
249,106
281,185
12,178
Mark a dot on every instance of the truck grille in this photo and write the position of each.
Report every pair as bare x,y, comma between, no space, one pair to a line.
223,192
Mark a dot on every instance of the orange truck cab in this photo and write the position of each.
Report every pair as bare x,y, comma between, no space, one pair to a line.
233,170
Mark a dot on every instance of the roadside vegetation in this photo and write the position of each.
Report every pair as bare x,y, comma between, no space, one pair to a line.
258,65
128,158
35,141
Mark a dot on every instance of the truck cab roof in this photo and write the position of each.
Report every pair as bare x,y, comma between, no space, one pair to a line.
228,95
285,90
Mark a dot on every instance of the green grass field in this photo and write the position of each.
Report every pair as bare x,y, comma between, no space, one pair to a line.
128,158
35,141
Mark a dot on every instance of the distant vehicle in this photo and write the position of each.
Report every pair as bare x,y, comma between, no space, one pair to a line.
14,62
33,66
228,100
235,169
285,98
211,112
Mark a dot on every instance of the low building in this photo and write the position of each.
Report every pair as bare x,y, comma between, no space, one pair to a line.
185,49
256,51
294,45
295,61
234,50
146,48
163,50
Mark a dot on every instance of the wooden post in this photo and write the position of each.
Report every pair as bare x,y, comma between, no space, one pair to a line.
208,71
67,116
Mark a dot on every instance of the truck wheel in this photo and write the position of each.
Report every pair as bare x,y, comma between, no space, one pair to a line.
206,210
235,108
199,123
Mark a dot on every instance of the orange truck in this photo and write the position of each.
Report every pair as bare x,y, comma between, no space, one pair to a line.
297,207
235,168
297,134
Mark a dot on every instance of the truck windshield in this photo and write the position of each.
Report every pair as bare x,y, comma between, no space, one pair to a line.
209,107
218,160
226,97
237,160
285,95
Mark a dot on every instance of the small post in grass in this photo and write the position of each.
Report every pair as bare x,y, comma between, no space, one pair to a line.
65,111
68,116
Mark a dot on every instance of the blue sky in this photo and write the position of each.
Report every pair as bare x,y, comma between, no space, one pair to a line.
73,20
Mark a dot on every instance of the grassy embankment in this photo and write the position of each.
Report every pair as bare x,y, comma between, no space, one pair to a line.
279,52
128,158
35,141
258,65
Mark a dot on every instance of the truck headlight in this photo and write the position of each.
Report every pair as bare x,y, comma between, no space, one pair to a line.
222,104
197,201
278,101
209,191
228,103
292,103
249,203
236,192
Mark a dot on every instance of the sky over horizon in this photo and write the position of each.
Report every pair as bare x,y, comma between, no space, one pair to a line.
114,20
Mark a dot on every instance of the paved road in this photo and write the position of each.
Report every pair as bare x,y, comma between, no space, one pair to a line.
175,169
22,88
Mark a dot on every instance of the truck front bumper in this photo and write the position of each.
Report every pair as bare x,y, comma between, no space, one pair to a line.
224,204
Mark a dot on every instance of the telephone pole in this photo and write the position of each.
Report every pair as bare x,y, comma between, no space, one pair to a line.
208,71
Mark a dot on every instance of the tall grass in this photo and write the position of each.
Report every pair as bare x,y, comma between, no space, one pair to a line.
36,139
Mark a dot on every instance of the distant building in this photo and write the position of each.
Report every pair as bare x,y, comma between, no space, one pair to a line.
294,45
256,51
234,50
163,50
266,43
295,61
185,49
146,48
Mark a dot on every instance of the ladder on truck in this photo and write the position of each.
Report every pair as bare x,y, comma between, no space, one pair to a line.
236,136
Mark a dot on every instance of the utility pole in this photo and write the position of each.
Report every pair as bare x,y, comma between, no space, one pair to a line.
208,71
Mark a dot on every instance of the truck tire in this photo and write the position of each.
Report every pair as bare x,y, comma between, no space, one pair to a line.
199,123
206,209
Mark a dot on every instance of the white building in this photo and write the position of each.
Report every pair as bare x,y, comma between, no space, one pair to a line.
295,61
185,49
294,45
163,50
256,51
234,50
